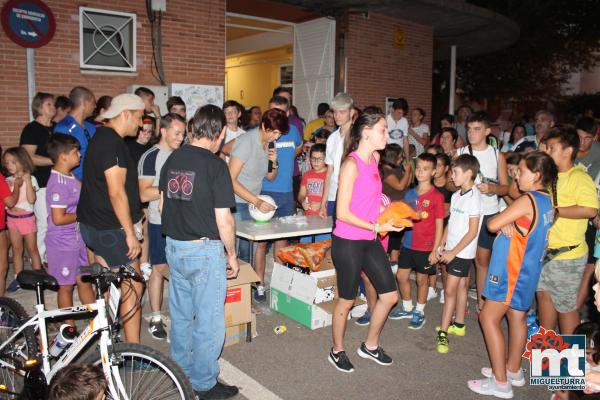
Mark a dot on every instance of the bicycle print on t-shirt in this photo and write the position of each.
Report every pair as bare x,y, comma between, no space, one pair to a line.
181,184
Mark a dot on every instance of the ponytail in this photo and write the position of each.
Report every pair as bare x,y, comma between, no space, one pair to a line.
554,191
542,163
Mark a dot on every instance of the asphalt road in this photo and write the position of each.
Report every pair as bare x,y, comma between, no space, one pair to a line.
294,365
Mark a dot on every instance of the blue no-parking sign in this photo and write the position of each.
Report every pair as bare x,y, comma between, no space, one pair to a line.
28,23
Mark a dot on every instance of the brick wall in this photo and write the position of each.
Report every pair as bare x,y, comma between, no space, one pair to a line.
193,52
377,69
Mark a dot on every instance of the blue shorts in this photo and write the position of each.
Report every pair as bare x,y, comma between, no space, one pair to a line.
157,244
286,205
331,208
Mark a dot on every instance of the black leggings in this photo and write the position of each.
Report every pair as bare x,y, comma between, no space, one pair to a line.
352,256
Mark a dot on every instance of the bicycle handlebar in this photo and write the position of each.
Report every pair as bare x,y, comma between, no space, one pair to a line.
97,270
93,270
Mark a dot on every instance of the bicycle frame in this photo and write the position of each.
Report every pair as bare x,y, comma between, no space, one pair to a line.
98,325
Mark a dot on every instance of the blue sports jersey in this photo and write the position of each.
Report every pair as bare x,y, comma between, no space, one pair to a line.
69,126
517,262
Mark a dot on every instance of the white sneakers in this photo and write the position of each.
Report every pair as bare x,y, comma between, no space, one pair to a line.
490,387
516,379
431,294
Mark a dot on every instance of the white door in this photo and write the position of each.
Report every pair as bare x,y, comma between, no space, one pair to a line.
314,64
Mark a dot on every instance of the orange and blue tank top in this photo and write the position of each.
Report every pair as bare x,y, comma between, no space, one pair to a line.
517,261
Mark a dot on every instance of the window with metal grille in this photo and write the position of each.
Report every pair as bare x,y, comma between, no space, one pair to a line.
107,40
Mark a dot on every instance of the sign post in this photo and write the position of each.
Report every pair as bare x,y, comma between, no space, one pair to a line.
30,78
30,24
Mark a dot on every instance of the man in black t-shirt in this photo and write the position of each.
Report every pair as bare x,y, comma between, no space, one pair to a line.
34,140
109,205
197,196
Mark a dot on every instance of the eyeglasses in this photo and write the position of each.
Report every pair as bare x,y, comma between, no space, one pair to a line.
317,159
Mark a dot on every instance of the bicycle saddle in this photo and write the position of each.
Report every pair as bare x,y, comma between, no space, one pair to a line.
31,279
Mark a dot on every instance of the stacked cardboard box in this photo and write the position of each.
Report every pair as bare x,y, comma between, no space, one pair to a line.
307,298
239,333
238,306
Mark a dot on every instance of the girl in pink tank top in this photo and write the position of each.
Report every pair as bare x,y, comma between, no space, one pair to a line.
354,245
365,201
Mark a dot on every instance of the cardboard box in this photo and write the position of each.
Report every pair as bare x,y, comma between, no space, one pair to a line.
315,288
312,316
238,333
307,299
238,299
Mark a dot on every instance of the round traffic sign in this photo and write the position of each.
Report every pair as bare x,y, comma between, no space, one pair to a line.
28,23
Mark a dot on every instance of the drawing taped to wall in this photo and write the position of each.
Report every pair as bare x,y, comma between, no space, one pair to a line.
196,96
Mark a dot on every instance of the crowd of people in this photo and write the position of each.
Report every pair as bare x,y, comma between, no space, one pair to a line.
521,223
505,214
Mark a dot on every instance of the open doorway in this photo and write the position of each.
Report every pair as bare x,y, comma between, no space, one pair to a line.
259,58
263,53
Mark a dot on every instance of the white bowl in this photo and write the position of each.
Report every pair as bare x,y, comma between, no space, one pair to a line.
258,215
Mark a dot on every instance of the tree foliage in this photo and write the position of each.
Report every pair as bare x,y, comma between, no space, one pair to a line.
557,37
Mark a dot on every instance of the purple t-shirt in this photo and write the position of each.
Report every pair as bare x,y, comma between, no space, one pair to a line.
62,191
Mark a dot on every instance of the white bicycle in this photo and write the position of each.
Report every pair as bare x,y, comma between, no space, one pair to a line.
132,371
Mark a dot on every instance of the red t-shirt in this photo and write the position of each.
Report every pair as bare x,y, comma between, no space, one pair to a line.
314,182
4,193
422,236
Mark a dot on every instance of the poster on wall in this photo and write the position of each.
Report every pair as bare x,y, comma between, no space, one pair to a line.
196,96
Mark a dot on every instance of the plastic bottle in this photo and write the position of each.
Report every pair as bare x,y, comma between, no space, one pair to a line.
65,337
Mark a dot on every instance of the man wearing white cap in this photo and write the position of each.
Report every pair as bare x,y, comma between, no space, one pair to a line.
109,205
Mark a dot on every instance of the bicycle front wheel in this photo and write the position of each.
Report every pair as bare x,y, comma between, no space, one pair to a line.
22,348
147,374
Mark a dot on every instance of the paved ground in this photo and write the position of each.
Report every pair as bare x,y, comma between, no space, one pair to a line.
294,365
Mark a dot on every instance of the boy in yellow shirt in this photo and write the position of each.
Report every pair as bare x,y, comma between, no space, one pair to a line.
316,123
567,251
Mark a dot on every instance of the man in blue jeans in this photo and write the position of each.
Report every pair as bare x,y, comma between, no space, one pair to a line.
197,195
